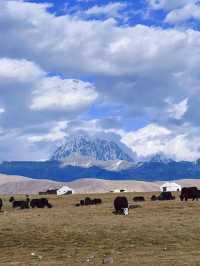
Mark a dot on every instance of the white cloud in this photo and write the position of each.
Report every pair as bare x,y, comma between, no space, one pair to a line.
109,10
154,139
23,10
168,4
147,141
44,93
57,133
189,11
19,70
2,110
178,110
54,93
178,11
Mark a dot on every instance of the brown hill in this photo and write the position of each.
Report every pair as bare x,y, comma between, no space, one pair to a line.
23,185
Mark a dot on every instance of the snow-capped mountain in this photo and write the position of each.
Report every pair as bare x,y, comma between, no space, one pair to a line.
77,147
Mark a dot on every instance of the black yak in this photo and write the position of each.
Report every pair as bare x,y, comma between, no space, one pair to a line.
163,196
138,199
88,201
22,204
189,193
97,201
120,204
40,203
82,202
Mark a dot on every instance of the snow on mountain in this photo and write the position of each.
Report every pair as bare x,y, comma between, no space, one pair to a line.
87,161
95,148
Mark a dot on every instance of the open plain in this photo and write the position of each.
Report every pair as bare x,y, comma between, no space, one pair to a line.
157,233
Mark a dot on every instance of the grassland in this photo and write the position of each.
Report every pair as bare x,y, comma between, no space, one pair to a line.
158,233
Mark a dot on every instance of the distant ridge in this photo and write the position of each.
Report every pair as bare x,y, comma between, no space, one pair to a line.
143,171
23,185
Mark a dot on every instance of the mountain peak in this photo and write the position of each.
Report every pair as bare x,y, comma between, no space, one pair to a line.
96,148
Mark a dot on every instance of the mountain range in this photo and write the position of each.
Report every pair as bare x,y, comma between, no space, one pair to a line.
83,157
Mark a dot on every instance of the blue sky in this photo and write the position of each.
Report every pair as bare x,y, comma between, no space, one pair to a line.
125,70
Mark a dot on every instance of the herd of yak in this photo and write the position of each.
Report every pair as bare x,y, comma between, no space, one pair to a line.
26,204
121,205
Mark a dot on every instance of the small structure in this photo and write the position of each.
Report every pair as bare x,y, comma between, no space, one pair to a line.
64,191
48,192
170,187
118,191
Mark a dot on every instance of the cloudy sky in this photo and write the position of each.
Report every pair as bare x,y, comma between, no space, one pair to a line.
127,70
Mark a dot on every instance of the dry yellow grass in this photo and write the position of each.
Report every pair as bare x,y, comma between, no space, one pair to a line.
159,233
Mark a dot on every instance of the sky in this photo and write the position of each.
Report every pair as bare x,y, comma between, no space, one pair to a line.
122,70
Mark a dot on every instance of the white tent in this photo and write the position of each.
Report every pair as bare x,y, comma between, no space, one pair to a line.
64,191
170,187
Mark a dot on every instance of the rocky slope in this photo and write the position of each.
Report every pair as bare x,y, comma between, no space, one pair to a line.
95,148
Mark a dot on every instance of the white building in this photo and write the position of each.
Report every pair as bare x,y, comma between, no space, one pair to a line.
170,187
64,191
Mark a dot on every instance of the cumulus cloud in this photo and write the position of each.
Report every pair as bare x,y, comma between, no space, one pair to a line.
149,140
59,130
168,4
65,94
187,12
154,139
177,11
19,70
124,61
56,133
14,146
45,92
109,10
177,110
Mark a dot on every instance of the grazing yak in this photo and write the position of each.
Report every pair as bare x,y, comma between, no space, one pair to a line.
22,204
97,201
40,203
166,196
82,202
138,199
163,196
189,193
120,205
88,201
